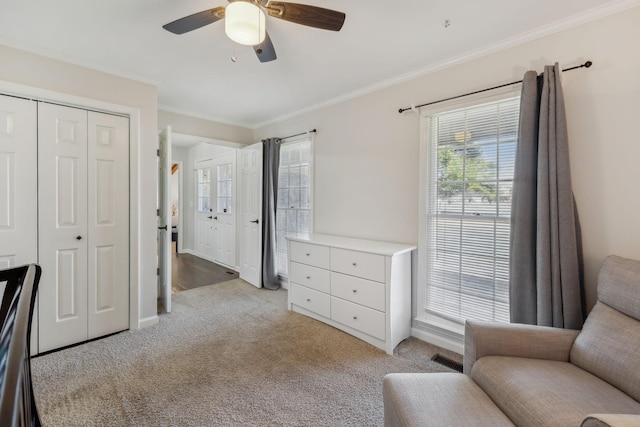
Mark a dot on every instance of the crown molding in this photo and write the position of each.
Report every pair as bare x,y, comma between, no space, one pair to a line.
168,109
540,32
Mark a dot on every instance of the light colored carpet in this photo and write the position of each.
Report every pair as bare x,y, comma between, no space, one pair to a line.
228,355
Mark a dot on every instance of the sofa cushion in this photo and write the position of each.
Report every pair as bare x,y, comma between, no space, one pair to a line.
438,399
619,285
608,348
536,392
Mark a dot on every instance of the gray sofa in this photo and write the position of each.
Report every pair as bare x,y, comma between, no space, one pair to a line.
537,376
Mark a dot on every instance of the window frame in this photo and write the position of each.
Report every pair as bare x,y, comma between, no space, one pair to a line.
296,140
445,329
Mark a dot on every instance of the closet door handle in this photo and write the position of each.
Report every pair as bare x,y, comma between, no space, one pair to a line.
255,222
163,228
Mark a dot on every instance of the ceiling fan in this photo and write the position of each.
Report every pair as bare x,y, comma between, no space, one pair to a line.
245,21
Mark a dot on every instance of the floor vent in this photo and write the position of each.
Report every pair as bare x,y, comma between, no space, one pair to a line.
447,362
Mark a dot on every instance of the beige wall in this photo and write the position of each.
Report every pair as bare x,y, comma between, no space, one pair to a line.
366,154
199,127
19,67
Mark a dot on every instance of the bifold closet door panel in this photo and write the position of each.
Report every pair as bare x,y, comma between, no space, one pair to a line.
62,224
19,188
18,182
108,232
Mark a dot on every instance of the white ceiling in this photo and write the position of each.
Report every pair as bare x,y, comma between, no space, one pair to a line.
381,42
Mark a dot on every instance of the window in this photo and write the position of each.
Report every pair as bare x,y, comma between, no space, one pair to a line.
467,163
224,191
293,215
203,188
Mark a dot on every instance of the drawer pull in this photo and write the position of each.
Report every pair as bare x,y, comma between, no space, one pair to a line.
355,264
308,299
355,317
355,291
308,277
308,254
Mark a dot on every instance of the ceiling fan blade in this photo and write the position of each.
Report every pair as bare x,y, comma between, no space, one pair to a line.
195,21
304,14
265,50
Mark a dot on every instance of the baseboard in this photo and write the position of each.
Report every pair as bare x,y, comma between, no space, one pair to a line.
148,321
444,340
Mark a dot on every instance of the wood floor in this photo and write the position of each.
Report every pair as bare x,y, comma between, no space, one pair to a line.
189,271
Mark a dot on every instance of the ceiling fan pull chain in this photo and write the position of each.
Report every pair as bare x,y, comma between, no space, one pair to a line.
233,56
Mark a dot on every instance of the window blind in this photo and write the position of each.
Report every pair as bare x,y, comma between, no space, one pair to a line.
471,155
294,197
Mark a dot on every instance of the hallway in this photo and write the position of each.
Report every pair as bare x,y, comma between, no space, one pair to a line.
189,271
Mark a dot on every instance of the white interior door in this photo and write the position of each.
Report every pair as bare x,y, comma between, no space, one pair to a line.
224,208
204,210
19,189
108,224
251,214
164,218
62,223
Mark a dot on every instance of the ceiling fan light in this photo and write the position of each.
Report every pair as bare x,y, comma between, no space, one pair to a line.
244,23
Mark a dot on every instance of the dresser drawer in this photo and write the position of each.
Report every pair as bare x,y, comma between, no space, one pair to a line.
311,277
309,254
371,322
361,264
311,300
360,291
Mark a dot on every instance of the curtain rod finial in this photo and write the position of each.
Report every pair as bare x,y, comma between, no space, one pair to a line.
588,64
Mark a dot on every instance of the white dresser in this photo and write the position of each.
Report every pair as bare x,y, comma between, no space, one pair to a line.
362,287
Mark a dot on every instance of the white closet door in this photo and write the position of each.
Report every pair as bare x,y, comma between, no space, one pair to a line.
62,221
18,182
108,224
19,189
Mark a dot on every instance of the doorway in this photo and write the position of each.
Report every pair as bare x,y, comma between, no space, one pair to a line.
203,211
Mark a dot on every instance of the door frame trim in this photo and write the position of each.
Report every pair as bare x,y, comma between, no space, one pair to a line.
45,95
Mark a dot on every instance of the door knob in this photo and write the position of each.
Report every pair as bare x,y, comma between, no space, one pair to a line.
255,222
79,238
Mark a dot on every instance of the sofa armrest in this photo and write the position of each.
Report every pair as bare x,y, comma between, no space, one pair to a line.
611,420
518,340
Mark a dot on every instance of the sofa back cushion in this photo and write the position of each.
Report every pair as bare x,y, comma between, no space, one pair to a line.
619,285
608,345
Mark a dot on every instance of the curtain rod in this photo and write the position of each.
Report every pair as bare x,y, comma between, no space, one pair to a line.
402,110
300,134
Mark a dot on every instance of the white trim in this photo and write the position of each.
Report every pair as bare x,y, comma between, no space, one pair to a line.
44,95
190,252
439,337
181,192
166,108
546,30
204,139
149,321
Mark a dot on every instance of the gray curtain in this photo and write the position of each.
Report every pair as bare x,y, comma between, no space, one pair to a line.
546,286
270,164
